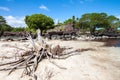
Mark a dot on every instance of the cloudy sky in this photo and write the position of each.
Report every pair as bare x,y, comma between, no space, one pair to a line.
14,11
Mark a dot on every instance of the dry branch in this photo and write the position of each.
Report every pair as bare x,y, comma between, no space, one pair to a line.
30,59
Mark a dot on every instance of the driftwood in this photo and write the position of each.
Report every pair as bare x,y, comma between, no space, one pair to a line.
30,60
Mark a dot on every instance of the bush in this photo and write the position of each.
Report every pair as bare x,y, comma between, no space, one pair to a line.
18,29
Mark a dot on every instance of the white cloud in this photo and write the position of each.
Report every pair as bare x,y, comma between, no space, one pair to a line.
43,7
4,8
118,16
56,21
15,21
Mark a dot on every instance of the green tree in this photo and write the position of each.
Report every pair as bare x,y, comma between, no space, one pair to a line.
77,24
95,19
112,21
85,21
18,29
3,25
2,20
59,23
117,25
74,21
68,21
40,21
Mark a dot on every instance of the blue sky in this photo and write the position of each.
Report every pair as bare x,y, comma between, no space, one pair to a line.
14,11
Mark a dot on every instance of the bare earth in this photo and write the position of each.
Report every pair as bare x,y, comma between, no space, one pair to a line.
100,63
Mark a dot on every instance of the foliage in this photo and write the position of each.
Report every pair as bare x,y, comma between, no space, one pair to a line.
85,23
97,19
59,23
3,25
2,20
74,21
90,20
41,21
18,29
113,20
117,24
68,21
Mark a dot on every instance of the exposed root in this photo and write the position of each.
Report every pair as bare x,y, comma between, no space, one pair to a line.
30,62
30,59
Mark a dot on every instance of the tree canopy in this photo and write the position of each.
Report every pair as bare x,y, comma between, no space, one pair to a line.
40,21
3,25
2,20
85,22
89,20
68,21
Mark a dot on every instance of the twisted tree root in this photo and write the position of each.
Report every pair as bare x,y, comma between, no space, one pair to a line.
30,61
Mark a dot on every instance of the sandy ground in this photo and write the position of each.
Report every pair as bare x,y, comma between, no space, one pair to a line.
101,63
